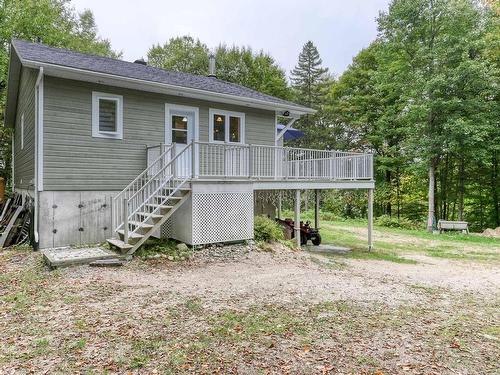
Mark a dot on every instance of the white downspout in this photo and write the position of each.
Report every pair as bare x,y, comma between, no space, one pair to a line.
38,148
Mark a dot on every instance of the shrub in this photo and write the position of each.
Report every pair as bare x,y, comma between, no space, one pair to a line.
267,230
394,222
164,248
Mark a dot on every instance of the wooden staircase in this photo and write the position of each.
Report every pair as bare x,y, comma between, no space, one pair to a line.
147,202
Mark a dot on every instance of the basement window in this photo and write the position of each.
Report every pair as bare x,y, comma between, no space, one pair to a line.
227,127
107,115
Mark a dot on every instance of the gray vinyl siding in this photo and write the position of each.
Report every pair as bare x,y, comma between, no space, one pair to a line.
24,159
74,160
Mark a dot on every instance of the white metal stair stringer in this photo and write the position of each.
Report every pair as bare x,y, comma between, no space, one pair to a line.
160,222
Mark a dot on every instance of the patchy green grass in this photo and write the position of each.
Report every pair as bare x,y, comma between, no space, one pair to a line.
392,243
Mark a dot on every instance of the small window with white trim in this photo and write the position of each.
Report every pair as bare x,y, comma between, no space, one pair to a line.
107,115
226,126
22,131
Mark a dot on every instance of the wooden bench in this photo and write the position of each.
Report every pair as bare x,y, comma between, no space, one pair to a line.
453,225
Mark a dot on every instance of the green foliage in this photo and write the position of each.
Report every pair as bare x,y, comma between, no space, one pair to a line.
345,203
182,54
267,230
309,76
394,222
424,96
310,84
163,248
234,64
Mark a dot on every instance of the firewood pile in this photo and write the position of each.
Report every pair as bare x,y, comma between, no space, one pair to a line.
16,221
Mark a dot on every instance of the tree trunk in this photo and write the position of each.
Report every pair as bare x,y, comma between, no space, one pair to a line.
398,193
461,188
444,189
388,181
431,207
494,189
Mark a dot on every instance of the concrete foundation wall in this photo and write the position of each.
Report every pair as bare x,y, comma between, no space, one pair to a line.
216,212
74,217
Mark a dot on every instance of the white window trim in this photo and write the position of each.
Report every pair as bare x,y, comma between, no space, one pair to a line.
118,134
172,108
214,111
22,131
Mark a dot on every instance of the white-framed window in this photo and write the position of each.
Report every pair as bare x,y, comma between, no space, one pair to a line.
107,115
22,131
226,126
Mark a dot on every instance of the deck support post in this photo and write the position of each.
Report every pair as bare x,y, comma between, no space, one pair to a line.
316,208
370,219
296,221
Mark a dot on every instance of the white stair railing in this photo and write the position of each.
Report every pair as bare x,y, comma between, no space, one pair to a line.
158,169
158,191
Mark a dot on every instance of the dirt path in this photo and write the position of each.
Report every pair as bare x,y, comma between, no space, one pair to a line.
282,312
286,277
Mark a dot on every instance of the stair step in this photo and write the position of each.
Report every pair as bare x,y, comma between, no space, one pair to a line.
131,235
119,244
154,205
142,231
180,189
167,197
152,216
141,224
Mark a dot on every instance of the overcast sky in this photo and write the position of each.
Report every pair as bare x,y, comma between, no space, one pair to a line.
339,28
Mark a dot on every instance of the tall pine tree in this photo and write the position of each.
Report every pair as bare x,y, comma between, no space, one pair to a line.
310,82
309,77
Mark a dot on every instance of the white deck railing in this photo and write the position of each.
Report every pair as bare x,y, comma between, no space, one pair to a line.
259,162
220,160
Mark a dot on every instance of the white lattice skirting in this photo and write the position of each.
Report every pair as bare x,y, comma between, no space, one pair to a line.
222,217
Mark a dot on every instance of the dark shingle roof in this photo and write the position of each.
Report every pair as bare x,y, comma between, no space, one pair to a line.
44,54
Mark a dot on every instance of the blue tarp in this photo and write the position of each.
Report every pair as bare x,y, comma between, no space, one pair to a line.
290,134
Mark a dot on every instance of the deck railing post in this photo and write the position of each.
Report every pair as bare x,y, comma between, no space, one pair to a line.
371,165
250,161
125,220
162,160
172,155
193,160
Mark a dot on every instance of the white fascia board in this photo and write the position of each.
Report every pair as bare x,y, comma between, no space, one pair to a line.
139,84
312,184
